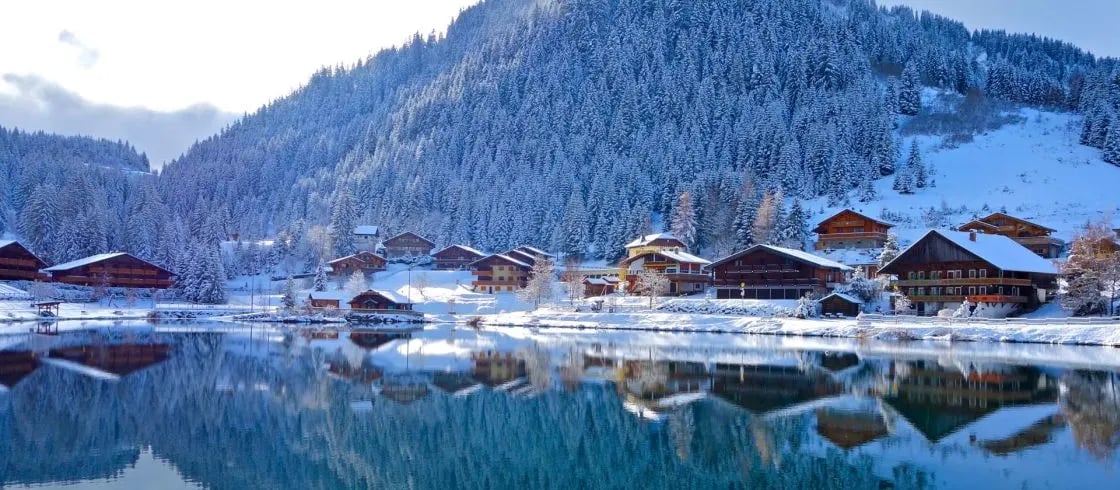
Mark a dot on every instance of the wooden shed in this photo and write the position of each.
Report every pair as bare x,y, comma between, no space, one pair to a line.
840,303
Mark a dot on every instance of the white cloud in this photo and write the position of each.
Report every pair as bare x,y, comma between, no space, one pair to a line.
87,56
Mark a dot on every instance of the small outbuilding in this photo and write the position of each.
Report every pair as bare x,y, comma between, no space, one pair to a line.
840,304
323,300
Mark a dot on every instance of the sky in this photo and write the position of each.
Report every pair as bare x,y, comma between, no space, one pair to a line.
164,74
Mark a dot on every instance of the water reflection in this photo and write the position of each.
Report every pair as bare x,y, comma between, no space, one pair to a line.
445,408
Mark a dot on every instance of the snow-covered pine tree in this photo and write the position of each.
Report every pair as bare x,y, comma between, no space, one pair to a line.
342,223
890,250
915,166
288,296
683,221
356,284
910,90
746,211
796,227
904,181
766,217
1111,150
574,229
321,278
210,288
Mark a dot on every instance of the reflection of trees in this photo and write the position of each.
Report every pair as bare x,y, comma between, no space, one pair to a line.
1091,404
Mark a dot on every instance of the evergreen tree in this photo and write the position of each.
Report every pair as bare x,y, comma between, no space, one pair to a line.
746,212
1111,153
321,278
765,220
890,250
574,231
342,224
910,91
683,223
288,299
915,167
210,285
904,181
795,232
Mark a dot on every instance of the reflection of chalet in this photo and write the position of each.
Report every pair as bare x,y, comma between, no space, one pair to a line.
763,389
769,272
848,429
364,374
16,365
1039,433
453,383
938,401
365,262
849,229
112,269
495,368
656,380
405,389
370,340
18,263
1030,235
943,268
456,257
121,359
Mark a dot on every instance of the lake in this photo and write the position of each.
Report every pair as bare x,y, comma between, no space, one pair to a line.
228,406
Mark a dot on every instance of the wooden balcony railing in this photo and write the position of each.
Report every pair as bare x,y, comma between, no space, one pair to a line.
974,281
974,298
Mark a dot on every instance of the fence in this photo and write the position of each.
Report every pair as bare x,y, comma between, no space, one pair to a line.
868,319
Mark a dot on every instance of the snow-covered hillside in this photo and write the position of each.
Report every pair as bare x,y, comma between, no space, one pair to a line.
1034,169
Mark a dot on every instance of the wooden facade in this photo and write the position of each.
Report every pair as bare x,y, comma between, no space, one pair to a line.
365,262
379,300
654,243
408,244
599,286
18,263
1031,235
322,301
849,229
456,257
840,304
769,272
685,271
940,271
119,270
499,273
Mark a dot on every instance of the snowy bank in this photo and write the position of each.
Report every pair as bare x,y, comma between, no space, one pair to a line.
1052,331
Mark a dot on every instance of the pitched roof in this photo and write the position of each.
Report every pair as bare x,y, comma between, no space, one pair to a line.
799,255
685,257
847,210
527,258
6,243
647,239
502,257
1000,251
369,230
356,256
989,217
533,250
74,264
977,224
389,295
461,247
398,235
846,297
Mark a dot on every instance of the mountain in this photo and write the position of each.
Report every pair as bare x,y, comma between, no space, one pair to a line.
574,124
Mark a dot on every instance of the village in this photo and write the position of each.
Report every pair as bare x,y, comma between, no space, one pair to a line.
989,268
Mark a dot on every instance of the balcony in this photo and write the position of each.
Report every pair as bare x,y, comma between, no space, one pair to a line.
974,298
973,281
761,269
1038,240
824,238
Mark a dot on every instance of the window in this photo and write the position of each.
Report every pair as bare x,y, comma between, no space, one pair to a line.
921,275
984,273
972,290
972,273
983,289
935,275
911,275
921,291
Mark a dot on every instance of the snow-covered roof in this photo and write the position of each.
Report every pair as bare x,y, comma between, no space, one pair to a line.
417,235
335,295
846,297
5,243
851,211
525,257
685,257
73,264
368,230
648,239
1002,252
356,256
534,250
853,257
800,255
462,247
392,296
503,257
601,281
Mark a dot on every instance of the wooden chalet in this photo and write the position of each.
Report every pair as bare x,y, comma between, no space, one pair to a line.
770,272
943,268
840,304
685,271
380,300
323,300
365,262
849,229
455,257
116,269
655,242
534,252
408,244
499,273
599,286
1031,235
18,263
366,237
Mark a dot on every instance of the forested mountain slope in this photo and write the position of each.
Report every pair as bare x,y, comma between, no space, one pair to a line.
569,124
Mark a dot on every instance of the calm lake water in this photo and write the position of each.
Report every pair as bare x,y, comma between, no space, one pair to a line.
180,407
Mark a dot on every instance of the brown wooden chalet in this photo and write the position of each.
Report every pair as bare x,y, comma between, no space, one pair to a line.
770,272
841,304
408,244
1031,235
685,271
18,263
323,300
943,268
499,273
116,269
849,229
365,262
599,286
456,257
380,300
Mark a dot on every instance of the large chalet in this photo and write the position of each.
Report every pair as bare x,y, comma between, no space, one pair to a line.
499,273
943,268
365,262
770,272
665,254
116,269
849,229
1031,235
407,244
18,263
455,257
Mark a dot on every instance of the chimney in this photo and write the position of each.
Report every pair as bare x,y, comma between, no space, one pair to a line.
972,236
